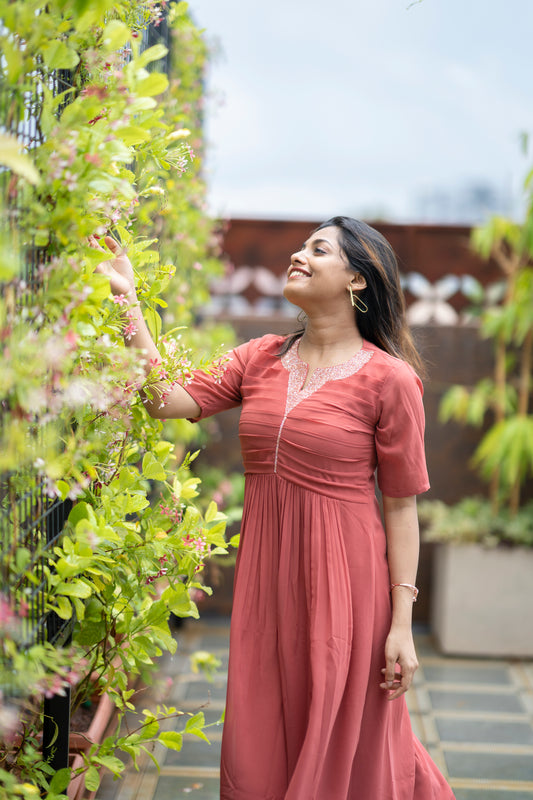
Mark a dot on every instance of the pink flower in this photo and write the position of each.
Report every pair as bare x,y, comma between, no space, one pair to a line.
120,300
70,181
92,158
9,720
197,266
71,339
57,686
23,608
6,613
130,330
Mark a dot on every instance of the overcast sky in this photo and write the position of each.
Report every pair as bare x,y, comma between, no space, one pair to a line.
366,107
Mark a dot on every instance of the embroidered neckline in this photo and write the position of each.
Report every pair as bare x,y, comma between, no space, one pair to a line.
298,371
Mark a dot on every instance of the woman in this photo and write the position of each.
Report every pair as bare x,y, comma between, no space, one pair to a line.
321,647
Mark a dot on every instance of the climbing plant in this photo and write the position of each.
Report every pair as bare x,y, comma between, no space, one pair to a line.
100,134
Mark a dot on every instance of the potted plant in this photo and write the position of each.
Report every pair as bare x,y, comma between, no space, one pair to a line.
484,556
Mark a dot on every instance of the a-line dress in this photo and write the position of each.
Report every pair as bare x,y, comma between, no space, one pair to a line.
306,718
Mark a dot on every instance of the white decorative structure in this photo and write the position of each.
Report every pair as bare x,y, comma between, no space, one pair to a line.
431,306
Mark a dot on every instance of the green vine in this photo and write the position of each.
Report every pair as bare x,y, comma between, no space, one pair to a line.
97,139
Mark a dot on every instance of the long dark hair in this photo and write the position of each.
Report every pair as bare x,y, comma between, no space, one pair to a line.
384,324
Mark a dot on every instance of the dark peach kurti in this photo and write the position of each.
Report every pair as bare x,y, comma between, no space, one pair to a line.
306,718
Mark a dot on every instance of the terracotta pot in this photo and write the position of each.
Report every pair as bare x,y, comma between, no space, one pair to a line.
81,742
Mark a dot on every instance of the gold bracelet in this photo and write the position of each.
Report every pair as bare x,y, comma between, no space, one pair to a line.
406,586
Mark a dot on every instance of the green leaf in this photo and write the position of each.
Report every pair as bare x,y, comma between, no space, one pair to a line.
61,780
142,104
22,558
116,35
197,720
75,589
58,55
18,162
63,608
211,512
508,448
14,60
177,600
81,510
135,503
63,488
133,134
152,469
153,320
171,739
155,53
149,730
194,726
113,764
92,779
155,83
79,607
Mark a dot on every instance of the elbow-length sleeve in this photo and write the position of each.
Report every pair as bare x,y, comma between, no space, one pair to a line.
218,393
399,435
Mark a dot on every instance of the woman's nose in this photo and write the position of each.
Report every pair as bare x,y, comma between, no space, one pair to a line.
298,257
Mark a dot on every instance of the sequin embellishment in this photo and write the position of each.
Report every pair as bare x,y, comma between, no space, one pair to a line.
298,370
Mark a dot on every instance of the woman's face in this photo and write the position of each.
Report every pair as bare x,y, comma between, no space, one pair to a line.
319,272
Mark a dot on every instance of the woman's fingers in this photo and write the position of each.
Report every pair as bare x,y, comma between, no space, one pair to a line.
93,241
399,683
113,245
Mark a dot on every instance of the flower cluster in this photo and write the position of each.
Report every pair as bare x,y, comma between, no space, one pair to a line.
161,572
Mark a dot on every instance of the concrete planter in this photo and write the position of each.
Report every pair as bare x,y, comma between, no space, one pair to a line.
481,600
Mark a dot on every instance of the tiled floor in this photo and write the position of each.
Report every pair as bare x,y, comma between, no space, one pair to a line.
474,716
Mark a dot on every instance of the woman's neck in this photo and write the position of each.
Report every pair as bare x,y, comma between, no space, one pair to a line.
325,337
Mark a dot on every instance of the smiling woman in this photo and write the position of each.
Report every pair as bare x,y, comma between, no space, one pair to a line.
321,637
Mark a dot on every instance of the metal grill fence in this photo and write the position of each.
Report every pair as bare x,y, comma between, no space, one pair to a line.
30,520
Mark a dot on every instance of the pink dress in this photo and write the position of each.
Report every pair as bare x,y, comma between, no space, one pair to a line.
305,717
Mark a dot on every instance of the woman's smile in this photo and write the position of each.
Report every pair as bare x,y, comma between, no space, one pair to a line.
296,271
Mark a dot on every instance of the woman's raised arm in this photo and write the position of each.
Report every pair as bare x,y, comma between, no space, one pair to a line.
178,403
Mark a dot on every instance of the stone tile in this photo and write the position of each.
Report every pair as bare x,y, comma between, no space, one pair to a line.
108,787
489,766
484,731
172,787
456,673
204,691
476,701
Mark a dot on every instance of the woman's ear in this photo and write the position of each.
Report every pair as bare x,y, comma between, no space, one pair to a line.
358,282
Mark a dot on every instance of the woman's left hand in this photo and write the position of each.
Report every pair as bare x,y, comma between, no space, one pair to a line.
400,662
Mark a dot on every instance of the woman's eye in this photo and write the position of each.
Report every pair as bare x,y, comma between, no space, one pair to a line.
320,251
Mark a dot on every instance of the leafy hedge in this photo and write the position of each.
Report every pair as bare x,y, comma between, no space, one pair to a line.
110,144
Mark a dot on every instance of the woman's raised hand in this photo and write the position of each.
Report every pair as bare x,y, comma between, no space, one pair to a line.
118,269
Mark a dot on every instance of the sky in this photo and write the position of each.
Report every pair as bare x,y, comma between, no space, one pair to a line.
386,109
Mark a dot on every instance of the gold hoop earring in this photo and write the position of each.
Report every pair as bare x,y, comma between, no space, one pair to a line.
357,303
